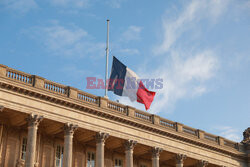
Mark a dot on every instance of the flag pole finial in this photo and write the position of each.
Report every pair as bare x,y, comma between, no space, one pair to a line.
107,57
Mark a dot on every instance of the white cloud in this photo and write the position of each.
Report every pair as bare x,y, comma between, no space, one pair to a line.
183,78
187,19
74,72
199,90
228,133
115,3
70,3
132,33
67,40
128,51
21,6
59,36
185,74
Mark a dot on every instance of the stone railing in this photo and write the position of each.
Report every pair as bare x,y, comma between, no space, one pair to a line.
167,123
87,97
55,87
211,137
19,76
230,143
84,97
117,107
189,130
143,115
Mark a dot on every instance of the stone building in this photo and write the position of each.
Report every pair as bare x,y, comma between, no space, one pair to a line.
46,124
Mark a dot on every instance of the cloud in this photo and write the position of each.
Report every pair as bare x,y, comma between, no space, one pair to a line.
70,3
132,33
115,3
21,6
229,133
183,78
186,73
69,41
187,19
128,51
72,71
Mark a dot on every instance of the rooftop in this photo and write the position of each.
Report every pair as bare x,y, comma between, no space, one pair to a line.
125,111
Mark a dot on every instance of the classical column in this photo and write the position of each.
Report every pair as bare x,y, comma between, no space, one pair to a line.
202,163
33,122
69,130
38,150
100,142
180,160
156,156
129,147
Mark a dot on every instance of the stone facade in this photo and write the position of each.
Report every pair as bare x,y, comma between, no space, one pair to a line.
46,124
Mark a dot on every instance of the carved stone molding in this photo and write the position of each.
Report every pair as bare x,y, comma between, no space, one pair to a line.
101,137
202,163
20,163
156,152
75,106
69,129
36,164
246,136
130,144
180,158
34,120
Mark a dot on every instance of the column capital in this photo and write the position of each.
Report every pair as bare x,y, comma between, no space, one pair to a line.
34,119
202,163
156,152
130,144
180,158
36,164
101,137
69,129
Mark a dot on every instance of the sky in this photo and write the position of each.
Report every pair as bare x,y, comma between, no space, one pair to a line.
200,48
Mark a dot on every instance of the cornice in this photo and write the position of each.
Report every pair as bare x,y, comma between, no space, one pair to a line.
83,106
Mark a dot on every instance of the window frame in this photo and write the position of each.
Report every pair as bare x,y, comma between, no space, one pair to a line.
61,154
23,150
117,160
91,156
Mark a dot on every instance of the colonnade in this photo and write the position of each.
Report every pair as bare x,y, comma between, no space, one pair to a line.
69,129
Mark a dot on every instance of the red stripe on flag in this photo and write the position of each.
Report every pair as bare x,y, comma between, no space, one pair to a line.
145,96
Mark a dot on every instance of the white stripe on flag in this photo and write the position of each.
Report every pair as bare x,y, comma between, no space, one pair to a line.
131,85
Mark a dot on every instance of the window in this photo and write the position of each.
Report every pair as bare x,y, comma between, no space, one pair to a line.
59,156
91,159
118,163
24,147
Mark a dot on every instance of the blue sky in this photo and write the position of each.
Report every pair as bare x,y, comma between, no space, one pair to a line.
201,49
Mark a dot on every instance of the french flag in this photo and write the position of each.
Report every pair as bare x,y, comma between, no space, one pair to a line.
124,82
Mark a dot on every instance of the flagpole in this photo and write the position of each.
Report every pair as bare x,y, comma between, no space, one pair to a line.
107,58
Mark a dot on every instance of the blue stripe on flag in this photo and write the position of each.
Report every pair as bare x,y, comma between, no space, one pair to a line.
118,71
